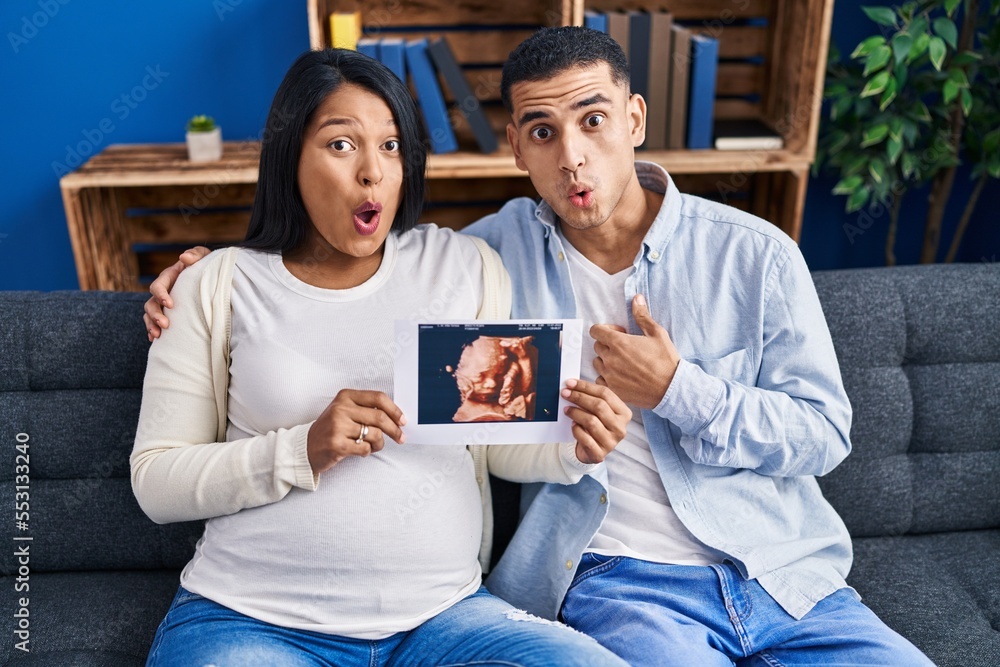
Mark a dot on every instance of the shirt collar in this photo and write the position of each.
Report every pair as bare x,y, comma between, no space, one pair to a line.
651,177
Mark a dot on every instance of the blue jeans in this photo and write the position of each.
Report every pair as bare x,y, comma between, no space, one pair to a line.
656,614
481,630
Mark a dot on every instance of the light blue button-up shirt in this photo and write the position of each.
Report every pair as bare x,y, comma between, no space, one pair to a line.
756,409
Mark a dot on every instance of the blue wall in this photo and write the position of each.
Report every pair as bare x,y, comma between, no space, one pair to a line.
66,65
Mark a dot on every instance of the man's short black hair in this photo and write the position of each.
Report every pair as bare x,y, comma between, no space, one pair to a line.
551,51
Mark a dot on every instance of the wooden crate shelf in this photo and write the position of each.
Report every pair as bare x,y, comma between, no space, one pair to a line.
131,208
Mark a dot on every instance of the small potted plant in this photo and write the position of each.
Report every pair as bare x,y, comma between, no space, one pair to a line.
204,139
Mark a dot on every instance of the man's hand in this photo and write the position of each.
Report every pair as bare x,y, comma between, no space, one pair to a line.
637,368
599,419
160,289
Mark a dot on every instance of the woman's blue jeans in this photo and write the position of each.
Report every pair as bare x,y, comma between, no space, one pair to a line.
657,614
481,630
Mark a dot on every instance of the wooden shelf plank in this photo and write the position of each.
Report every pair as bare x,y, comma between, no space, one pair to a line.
164,164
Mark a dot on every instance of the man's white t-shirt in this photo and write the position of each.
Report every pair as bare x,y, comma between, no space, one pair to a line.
640,522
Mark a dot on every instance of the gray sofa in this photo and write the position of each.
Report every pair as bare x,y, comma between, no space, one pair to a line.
919,348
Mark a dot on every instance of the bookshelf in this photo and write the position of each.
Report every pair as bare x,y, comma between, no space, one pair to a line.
131,209
772,60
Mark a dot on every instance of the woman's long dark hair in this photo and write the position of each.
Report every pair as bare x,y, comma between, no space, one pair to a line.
278,220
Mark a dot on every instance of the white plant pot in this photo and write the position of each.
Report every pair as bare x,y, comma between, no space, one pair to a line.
205,146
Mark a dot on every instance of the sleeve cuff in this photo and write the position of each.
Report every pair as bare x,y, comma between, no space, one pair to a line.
691,399
574,466
305,478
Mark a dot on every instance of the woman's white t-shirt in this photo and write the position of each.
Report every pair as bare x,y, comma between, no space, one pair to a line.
387,541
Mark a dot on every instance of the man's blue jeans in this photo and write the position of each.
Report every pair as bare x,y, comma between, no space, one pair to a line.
656,614
481,630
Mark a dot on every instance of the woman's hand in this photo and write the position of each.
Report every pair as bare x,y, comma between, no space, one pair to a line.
337,432
599,419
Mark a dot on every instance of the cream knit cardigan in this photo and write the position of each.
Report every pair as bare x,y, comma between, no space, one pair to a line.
182,467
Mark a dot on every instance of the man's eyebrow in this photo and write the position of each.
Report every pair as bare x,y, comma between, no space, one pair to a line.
590,101
529,116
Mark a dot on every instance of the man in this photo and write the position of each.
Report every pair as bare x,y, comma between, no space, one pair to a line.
705,540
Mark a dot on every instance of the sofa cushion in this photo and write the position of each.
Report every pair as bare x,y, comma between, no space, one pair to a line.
939,591
74,364
97,619
919,352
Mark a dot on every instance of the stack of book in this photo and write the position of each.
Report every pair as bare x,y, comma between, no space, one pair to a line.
674,68
422,61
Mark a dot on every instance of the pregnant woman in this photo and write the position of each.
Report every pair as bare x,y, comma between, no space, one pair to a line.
266,410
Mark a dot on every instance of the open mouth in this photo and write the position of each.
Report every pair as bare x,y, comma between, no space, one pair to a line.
367,218
582,198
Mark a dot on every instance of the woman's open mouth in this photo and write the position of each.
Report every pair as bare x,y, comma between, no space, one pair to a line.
367,217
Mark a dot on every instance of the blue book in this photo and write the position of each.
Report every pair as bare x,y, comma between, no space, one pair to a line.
430,97
640,24
701,94
595,21
368,47
392,55
465,100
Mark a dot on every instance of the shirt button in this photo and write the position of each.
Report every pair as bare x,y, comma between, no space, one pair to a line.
654,255
479,480
569,565
562,257
604,499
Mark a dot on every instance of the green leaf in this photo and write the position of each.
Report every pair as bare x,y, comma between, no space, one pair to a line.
848,185
857,200
876,85
877,170
958,76
923,113
881,15
836,90
909,165
901,45
995,171
838,140
896,128
951,6
938,51
950,91
946,29
920,45
868,45
889,95
841,107
991,142
875,135
966,58
894,149
910,132
902,73
966,102
855,166
878,59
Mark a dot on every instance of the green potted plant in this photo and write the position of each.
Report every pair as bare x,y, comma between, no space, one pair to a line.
910,105
204,139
